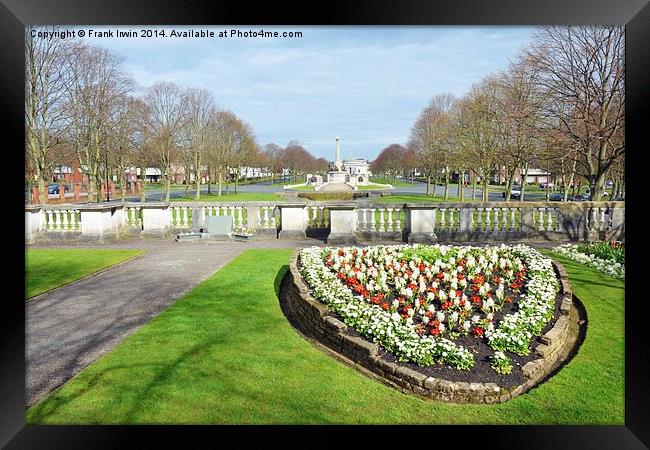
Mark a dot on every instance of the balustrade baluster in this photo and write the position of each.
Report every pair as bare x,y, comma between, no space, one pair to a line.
442,218
488,226
389,224
549,218
381,219
504,219
373,225
513,222
64,221
398,222
540,219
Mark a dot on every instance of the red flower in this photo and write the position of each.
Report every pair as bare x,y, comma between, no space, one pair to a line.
385,306
477,331
475,299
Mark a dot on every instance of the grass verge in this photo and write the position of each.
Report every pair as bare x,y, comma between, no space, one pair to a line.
47,269
230,197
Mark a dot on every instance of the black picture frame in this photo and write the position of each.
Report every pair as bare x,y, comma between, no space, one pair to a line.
634,14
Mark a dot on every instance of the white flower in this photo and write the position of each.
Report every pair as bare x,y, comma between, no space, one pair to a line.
431,308
425,319
440,316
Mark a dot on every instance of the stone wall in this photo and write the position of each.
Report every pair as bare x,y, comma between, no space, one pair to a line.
315,320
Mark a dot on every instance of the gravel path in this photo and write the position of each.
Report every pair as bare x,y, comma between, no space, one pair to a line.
69,328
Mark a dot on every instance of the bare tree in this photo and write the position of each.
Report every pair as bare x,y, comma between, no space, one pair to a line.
167,114
390,161
519,119
201,114
47,74
477,130
97,88
430,139
581,71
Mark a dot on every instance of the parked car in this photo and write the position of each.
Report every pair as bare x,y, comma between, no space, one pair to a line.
556,197
545,185
579,198
54,188
515,193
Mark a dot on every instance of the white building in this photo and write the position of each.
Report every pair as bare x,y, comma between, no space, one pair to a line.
357,171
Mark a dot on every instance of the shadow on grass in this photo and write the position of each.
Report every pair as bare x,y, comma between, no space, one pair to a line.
277,283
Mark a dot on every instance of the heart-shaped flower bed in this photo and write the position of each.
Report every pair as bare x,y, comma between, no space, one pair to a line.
438,305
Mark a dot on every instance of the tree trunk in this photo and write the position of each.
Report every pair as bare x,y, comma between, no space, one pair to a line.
220,181
524,177
143,179
42,193
485,189
461,184
446,196
474,189
197,171
169,185
428,184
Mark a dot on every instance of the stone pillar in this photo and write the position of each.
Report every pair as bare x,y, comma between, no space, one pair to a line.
420,223
139,183
97,222
156,219
293,224
617,232
527,220
343,225
466,214
34,223
197,218
76,188
62,192
253,217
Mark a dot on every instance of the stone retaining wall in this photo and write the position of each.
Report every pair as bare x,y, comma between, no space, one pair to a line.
315,320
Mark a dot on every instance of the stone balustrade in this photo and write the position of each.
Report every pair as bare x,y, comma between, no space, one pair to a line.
338,222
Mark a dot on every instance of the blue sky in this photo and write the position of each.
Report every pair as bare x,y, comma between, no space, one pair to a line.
364,84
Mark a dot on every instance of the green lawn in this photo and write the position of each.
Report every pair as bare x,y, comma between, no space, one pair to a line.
373,186
240,196
419,198
224,353
47,269
395,183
